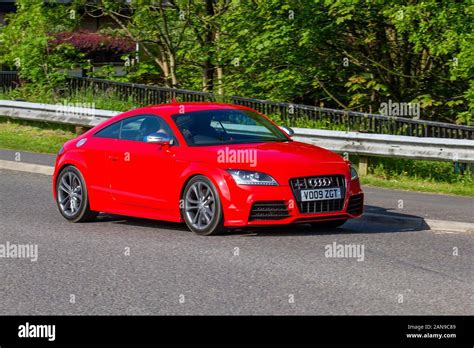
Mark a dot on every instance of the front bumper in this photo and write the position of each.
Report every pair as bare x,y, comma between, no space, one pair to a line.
238,207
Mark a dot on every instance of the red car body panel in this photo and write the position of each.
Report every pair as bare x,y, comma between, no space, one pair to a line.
146,180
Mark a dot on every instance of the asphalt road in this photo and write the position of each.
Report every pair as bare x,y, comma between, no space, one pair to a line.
424,205
28,157
172,271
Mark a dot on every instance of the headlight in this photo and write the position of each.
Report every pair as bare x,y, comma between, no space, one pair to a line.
248,177
354,174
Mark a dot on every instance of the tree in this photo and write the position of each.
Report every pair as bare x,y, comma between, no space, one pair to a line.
354,54
25,41
349,54
171,33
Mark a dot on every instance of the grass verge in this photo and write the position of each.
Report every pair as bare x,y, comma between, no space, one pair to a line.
420,185
33,136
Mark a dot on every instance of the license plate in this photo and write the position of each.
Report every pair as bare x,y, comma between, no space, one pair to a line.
320,194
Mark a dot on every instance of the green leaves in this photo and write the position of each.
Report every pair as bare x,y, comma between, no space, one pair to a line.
26,39
335,53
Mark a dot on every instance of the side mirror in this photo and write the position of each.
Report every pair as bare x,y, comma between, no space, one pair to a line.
288,130
159,138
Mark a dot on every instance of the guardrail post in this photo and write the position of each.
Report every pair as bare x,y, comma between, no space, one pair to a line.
363,165
470,167
80,130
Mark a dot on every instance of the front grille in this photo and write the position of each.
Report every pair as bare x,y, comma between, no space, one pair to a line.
269,210
324,181
356,204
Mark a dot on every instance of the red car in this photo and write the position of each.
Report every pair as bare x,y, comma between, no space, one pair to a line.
213,166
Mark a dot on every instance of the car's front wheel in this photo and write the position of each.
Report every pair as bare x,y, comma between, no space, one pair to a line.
71,196
201,207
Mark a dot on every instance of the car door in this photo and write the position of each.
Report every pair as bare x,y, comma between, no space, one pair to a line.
96,151
141,171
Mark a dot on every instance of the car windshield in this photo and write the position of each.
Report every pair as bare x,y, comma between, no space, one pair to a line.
226,126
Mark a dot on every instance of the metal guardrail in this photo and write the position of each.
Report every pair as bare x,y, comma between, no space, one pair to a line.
355,143
397,146
351,120
56,113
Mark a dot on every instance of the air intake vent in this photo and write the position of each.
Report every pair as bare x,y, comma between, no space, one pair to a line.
269,210
356,204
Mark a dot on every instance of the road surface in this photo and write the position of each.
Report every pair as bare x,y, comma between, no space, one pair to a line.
133,266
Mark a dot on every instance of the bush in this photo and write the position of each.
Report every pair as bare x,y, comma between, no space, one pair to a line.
95,46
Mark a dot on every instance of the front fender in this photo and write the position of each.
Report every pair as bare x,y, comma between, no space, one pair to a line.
74,158
217,176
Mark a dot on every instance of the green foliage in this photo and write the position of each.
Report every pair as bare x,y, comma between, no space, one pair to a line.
344,54
146,73
414,175
355,54
108,100
25,42
30,92
308,122
104,72
389,168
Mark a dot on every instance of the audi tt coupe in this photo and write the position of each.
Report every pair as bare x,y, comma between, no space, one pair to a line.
213,166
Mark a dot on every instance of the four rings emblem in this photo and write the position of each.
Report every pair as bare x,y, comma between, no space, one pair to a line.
319,182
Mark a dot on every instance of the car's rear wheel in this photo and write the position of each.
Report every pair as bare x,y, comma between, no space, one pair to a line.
71,196
201,207
328,224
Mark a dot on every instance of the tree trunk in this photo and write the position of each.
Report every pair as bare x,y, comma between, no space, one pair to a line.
174,79
219,69
208,69
208,76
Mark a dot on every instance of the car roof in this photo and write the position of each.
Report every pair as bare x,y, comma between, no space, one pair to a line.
177,107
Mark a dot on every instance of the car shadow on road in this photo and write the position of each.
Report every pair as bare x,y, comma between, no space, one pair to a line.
375,220
141,222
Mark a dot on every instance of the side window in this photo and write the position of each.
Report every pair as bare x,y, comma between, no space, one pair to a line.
165,128
139,127
134,128
111,131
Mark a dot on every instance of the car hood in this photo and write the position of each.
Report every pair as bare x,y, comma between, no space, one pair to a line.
282,160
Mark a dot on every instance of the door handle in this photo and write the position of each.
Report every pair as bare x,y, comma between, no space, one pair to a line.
113,158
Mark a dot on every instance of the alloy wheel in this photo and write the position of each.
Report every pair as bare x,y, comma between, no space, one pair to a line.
70,194
199,205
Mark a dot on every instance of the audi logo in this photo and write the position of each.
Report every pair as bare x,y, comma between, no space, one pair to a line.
320,182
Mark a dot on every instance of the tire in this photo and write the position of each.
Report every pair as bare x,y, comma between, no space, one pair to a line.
328,224
70,188
201,207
